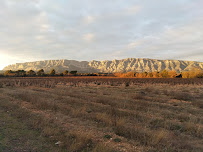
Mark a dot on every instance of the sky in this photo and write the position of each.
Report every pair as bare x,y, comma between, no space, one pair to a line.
33,30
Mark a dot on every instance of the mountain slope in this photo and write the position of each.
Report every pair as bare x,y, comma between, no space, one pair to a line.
129,64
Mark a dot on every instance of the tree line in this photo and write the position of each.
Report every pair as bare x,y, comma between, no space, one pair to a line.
41,72
195,73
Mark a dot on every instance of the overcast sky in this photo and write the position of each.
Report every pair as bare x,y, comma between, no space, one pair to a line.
32,30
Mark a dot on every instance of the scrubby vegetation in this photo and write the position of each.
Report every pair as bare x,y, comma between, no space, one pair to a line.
195,73
105,114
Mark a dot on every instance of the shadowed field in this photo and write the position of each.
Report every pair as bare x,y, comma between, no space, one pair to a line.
101,115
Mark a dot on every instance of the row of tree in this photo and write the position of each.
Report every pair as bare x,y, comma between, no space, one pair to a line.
195,73
163,74
41,72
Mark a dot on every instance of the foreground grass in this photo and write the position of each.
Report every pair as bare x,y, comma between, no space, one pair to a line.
17,136
23,129
98,118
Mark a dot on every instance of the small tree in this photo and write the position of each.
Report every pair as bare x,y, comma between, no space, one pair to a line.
186,74
21,73
31,73
149,75
61,74
130,74
138,75
164,74
1,75
65,72
200,75
40,72
172,74
144,74
73,72
8,72
52,72
155,74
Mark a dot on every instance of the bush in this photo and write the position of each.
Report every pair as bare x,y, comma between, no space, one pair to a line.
31,73
200,75
65,72
117,140
107,136
127,84
52,72
40,72
73,72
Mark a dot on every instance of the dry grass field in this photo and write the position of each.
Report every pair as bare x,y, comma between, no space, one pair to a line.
101,115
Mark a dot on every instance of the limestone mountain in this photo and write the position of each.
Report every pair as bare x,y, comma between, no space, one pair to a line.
124,65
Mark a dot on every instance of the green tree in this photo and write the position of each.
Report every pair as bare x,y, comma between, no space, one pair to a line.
61,74
40,72
65,72
52,72
31,73
20,73
73,72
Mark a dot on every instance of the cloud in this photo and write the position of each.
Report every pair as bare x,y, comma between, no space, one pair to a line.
182,42
88,19
134,9
89,37
93,29
132,45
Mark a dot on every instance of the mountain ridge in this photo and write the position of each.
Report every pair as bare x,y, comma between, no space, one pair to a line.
108,66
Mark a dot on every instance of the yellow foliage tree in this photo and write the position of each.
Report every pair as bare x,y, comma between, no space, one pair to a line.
164,74
155,74
172,74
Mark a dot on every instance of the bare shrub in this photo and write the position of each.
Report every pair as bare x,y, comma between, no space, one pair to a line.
132,132
102,148
103,118
148,89
138,96
80,141
159,137
181,96
79,112
198,103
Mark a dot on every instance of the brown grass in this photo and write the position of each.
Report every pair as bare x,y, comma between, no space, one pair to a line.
143,116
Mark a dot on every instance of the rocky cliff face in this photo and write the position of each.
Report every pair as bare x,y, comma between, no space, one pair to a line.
47,65
125,65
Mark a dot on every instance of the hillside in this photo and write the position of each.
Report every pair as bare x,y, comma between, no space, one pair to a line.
124,65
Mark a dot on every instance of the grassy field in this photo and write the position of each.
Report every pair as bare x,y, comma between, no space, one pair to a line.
101,115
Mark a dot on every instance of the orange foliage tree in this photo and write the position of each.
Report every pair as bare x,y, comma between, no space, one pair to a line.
163,74
172,74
